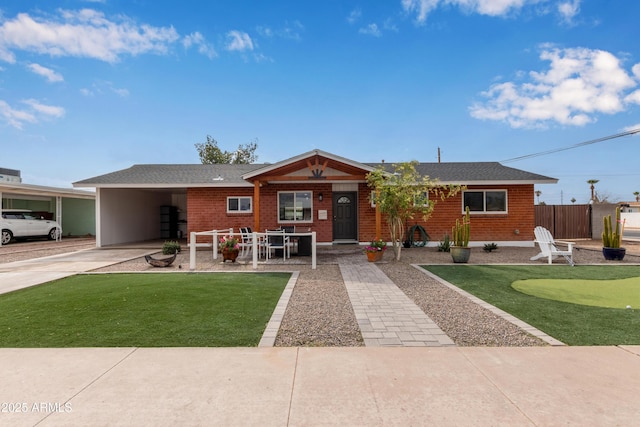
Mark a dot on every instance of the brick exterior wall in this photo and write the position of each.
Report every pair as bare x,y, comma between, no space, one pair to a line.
206,210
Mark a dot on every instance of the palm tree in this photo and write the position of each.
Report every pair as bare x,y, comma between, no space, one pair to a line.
593,182
637,194
538,193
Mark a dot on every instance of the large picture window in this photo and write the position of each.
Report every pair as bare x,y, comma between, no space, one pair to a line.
295,206
239,204
488,201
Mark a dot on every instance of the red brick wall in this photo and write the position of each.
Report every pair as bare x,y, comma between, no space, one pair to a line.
484,227
206,210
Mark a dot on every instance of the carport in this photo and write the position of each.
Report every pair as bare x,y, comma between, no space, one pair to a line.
78,206
128,214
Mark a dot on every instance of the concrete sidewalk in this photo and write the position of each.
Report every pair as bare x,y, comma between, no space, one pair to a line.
445,386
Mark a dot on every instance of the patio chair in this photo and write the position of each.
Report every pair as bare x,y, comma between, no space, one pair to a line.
246,241
277,240
548,246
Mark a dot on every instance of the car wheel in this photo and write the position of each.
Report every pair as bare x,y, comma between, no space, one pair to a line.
53,234
6,237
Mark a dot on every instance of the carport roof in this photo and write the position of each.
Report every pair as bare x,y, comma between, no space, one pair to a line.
186,175
18,189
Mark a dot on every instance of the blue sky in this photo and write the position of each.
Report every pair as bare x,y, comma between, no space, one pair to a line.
90,87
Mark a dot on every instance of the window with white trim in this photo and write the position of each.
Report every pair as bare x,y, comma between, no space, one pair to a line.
295,206
485,201
239,204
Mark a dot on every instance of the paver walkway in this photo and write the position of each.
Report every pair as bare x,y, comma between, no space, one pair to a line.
385,315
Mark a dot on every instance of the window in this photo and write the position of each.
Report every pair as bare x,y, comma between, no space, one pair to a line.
295,206
494,201
421,199
239,204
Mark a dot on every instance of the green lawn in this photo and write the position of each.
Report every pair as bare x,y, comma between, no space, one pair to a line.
142,310
573,324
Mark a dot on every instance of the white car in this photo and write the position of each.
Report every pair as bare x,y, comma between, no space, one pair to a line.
23,224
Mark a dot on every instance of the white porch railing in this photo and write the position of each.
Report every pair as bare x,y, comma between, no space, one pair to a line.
257,238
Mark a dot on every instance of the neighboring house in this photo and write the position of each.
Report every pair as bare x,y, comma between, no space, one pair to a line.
75,210
314,191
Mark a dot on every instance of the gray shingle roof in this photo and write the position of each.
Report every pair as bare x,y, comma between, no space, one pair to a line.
173,176
226,175
474,172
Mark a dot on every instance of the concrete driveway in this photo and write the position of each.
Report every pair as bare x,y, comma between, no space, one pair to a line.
21,274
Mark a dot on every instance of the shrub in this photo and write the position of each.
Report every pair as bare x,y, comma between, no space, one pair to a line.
171,247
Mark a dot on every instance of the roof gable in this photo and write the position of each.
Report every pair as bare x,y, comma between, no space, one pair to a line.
313,165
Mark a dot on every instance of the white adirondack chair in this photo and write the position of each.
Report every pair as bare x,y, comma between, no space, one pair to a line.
549,248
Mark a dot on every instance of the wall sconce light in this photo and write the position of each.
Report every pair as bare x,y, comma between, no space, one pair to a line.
320,197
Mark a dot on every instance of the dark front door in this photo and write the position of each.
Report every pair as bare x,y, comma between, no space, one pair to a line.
345,207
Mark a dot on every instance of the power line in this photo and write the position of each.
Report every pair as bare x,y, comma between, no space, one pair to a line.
582,144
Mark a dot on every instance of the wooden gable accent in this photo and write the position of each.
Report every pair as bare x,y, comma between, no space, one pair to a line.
314,168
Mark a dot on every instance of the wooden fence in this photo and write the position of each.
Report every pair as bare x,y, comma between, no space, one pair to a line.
565,221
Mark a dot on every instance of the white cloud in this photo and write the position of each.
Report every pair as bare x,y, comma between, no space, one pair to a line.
48,73
239,41
568,10
371,30
102,87
632,127
85,33
197,39
354,16
579,84
47,110
291,31
422,8
17,118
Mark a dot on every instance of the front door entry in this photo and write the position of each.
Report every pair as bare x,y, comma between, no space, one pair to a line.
345,218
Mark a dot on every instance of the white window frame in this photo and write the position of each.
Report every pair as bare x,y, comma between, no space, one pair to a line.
295,221
484,210
239,198
426,193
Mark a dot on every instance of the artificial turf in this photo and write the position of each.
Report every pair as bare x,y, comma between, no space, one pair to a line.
573,324
142,310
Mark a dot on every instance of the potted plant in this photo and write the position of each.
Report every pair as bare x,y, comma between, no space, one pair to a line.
375,250
229,247
460,250
612,238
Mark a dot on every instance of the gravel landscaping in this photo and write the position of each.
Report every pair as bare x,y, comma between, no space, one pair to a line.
319,312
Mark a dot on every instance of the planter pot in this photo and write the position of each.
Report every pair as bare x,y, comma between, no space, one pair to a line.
614,254
460,254
229,254
374,256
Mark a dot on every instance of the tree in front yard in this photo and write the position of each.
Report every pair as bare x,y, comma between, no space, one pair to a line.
403,194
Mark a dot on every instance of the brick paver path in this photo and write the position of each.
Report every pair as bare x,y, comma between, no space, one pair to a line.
385,315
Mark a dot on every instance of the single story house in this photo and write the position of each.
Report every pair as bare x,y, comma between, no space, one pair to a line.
314,191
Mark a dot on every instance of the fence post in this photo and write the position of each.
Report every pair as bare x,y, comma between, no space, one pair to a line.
192,250
313,250
214,244
255,249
